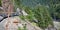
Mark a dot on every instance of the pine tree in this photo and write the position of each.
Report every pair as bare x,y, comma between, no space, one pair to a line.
43,17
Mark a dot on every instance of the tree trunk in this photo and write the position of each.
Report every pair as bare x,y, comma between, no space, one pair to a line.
8,9
7,6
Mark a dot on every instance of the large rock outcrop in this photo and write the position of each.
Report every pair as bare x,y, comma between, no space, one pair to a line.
21,23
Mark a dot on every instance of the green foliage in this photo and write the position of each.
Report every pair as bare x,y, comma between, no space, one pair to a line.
57,11
22,17
24,28
54,8
30,15
42,15
18,4
19,28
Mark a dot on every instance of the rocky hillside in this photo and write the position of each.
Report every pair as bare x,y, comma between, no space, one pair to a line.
21,24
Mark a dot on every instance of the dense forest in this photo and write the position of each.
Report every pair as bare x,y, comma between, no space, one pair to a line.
41,13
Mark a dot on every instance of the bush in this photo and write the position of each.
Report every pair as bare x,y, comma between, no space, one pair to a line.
24,28
43,16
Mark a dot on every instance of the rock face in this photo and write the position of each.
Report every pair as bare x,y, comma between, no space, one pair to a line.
13,26
1,18
31,27
57,24
51,28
